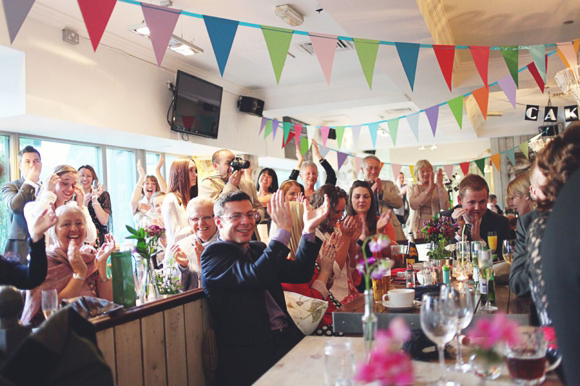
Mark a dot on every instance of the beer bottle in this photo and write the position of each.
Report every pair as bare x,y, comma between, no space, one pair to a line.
412,254
491,288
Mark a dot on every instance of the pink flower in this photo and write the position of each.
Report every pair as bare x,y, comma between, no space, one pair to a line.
380,243
498,329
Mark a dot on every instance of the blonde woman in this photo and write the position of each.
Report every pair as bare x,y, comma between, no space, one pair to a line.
518,194
428,196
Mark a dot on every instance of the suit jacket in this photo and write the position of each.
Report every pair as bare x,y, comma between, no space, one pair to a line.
15,195
519,277
214,186
236,289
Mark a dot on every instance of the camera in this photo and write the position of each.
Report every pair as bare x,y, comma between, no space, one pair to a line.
238,163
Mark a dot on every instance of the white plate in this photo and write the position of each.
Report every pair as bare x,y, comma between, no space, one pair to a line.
416,303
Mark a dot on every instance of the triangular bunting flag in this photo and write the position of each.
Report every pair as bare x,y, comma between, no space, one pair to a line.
310,132
96,14
278,42
480,56
432,115
408,54
325,48
287,130
481,165
373,130
413,120
221,34
412,172
290,135
324,131
510,55
567,50
481,96
456,106
340,158
509,88
495,158
161,23
524,148
15,12
357,165
577,45
511,154
393,129
448,170
445,55
464,168
367,55
339,134
275,124
262,124
188,121
297,133
563,58
323,151
396,170
536,74
355,134
268,130
538,53
303,145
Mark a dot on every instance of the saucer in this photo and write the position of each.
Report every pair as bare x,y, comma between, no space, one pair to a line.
416,303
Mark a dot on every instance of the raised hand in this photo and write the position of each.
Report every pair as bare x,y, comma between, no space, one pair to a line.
431,178
315,150
235,178
34,173
326,256
314,217
377,186
104,252
75,259
299,154
198,249
80,196
300,197
440,177
160,163
279,210
349,226
140,170
51,182
475,227
383,221
179,255
363,227
39,225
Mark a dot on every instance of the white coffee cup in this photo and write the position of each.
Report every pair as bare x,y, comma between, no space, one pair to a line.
400,297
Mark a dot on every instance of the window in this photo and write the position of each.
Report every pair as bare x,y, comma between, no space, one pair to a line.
121,180
4,177
168,161
151,161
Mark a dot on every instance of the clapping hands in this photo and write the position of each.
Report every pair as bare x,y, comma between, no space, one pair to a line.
314,217
279,210
41,224
104,252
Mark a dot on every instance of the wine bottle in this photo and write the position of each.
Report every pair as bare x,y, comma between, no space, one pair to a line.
412,254
491,288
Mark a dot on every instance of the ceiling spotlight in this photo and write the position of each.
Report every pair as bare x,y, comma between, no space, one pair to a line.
289,15
433,147
176,44
422,147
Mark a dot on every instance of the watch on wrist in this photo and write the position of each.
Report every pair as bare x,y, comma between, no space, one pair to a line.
78,277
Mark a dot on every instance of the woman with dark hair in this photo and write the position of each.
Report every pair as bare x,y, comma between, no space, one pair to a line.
97,200
266,185
146,186
182,188
293,190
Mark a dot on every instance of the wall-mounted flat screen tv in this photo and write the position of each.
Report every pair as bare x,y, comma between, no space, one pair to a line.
197,106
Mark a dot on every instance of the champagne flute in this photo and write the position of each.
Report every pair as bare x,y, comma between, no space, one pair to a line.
439,322
492,241
485,269
508,250
49,302
465,308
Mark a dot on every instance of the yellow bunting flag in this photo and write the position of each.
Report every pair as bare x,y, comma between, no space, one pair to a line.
524,148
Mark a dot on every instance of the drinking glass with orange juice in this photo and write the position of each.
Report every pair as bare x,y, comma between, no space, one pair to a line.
492,241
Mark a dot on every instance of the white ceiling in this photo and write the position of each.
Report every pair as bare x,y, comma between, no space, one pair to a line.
303,92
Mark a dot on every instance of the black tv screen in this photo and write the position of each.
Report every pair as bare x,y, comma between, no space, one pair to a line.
197,106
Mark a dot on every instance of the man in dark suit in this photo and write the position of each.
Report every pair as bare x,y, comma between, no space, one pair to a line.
15,195
242,280
472,213
519,277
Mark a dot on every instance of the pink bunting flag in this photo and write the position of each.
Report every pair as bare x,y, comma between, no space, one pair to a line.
567,49
340,158
396,170
445,55
324,131
432,115
96,14
325,48
509,88
480,56
357,164
448,170
161,22
297,132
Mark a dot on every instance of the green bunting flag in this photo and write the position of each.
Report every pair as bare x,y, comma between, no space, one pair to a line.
303,145
481,165
367,55
278,42
393,128
268,129
339,134
287,129
510,55
456,106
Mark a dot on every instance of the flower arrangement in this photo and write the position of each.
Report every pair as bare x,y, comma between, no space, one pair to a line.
439,231
388,363
373,267
147,240
167,278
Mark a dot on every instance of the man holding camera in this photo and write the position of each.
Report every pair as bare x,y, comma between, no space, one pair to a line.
228,179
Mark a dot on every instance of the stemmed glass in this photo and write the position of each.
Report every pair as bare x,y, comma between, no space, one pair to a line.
49,302
485,269
439,323
508,250
465,307
463,253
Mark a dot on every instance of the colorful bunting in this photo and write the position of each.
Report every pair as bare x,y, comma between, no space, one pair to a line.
480,56
268,130
278,42
263,123
96,14
297,133
432,115
511,154
464,168
324,131
367,55
310,132
355,135
161,23
445,55
537,76
288,133
509,88
495,158
396,170
339,134
538,53
393,129
373,130
303,145
524,148
340,158
456,106
481,96
15,12
221,34
569,53
408,54
323,151
275,124
413,120
510,55
481,165
325,48
448,170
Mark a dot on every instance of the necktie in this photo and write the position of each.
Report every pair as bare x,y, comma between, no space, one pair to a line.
468,231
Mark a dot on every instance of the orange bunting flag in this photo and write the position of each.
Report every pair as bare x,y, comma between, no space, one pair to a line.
495,158
445,55
481,96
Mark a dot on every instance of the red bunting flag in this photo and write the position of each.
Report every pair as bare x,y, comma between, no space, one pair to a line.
464,168
445,55
96,14
297,132
480,56
481,96
536,74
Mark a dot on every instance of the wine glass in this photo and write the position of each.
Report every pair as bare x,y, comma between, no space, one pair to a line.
439,322
492,241
508,250
49,302
485,270
465,308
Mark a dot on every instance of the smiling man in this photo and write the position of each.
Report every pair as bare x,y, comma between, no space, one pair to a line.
242,280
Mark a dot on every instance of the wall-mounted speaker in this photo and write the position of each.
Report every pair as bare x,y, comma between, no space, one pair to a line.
251,105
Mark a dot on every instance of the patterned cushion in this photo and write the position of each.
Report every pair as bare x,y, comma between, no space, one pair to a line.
305,311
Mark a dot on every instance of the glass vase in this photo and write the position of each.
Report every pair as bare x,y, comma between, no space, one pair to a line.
486,364
148,290
369,323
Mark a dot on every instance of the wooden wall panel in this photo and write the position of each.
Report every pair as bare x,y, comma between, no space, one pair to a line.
175,346
129,360
154,363
106,343
194,331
